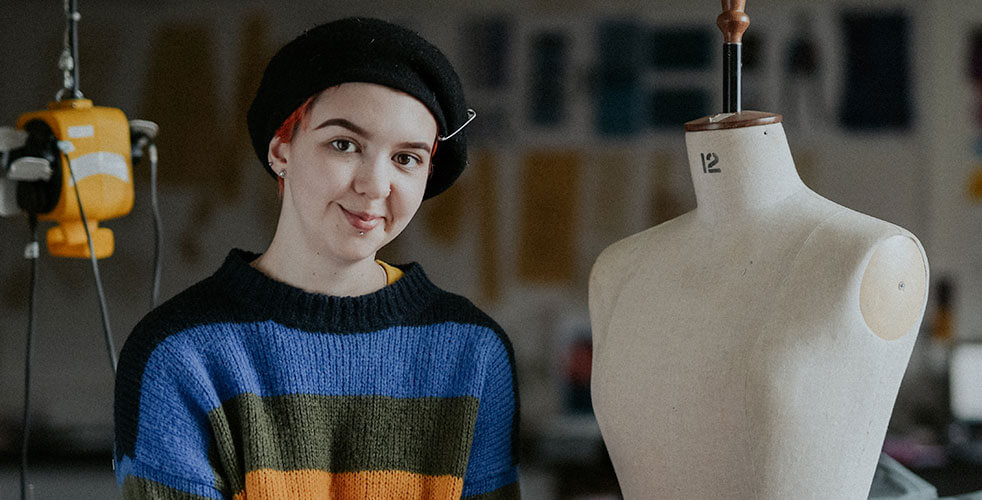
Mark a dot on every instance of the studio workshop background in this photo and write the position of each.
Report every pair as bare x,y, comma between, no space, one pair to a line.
578,143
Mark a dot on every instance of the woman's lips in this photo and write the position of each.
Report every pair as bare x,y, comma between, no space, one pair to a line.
362,221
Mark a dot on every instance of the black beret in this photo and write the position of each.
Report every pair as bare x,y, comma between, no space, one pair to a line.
366,50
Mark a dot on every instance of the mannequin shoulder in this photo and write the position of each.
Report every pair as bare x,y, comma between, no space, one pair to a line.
893,289
621,257
615,266
882,265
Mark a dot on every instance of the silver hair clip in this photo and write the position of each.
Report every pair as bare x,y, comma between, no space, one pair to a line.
471,114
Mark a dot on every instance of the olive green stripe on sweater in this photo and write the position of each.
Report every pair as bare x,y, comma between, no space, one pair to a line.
137,487
429,436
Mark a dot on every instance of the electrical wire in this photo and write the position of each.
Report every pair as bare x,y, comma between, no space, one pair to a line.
157,225
103,307
30,252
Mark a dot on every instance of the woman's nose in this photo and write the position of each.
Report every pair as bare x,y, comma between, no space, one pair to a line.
372,179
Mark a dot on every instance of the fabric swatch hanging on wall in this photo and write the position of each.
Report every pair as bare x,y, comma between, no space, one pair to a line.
547,236
617,87
547,91
877,71
680,49
670,51
486,52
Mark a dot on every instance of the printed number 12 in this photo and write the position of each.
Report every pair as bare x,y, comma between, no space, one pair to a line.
709,161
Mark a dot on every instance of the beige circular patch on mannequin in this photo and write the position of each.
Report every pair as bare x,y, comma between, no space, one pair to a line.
892,293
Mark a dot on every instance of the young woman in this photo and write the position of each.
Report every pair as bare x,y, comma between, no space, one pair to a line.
315,370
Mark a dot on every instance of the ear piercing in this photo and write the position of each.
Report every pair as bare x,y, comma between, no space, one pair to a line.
282,173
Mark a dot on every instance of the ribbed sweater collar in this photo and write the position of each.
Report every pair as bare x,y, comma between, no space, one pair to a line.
271,299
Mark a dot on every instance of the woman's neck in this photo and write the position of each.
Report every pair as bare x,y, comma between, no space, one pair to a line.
310,272
740,170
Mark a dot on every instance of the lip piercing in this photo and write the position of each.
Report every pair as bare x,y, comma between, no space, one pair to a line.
361,233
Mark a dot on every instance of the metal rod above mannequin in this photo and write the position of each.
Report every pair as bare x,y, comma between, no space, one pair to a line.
732,22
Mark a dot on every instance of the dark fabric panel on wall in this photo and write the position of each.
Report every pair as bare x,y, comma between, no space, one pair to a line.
547,98
616,89
488,46
681,49
877,71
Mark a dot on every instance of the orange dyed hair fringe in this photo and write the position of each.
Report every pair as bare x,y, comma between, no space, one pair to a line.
289,127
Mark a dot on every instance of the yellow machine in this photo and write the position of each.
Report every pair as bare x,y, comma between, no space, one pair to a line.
96,142
72,164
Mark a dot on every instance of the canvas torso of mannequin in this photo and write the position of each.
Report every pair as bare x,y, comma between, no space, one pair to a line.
752,348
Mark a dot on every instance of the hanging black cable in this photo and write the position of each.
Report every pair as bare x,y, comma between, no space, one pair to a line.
72,17
103,307
157,225
32,252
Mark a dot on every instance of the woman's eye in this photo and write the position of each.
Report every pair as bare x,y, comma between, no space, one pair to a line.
343,145
407,160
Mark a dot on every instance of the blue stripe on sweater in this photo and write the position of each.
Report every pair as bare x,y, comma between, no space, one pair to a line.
490,466
213,363
490,484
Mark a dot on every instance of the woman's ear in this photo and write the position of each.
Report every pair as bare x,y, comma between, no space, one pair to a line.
279,154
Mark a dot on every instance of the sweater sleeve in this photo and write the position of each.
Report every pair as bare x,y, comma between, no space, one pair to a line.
162,429
492,469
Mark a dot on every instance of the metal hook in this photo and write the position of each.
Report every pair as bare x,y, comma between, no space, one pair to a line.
471,114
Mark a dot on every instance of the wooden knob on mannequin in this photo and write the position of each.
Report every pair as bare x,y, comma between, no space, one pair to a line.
733,21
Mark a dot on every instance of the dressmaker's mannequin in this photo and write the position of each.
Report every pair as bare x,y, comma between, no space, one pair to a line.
752,348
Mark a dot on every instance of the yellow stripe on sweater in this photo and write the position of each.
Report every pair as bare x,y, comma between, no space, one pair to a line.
268,484
392,273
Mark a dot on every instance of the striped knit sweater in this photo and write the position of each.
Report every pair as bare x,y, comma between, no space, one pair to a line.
244,387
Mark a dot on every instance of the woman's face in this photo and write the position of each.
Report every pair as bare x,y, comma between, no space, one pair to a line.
356,169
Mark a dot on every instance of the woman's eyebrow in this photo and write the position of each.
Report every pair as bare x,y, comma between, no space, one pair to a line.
416,145
341,122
